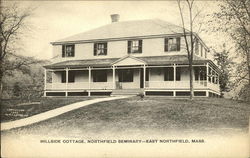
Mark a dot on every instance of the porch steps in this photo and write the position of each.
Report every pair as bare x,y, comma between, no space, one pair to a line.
119,92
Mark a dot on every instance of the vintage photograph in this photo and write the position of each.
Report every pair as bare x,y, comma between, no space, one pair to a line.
125,78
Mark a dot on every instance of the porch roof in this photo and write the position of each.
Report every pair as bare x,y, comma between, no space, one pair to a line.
171,59
149,60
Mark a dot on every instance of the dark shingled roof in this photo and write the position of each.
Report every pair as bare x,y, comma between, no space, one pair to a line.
152,60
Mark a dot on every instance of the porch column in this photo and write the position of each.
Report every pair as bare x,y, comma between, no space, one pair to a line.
67,80
207,93
144,76
174,74
207,72
113,68
45,81
89,80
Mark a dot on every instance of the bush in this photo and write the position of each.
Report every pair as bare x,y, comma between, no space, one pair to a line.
244,93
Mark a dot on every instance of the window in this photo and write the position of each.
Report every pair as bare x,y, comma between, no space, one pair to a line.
147,75
100,49
203,74
201,50
169,74
135,46
209,74
100,76
68,50
200,73
63,76
196,73
126,75
71,77
178,74
172,44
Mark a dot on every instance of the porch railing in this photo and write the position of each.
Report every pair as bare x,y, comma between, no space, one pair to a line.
79,85
181,85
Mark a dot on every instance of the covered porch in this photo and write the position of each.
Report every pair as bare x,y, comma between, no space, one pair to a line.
131,73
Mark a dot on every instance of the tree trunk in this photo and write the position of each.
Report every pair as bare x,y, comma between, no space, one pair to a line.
248,67
191,80
1,79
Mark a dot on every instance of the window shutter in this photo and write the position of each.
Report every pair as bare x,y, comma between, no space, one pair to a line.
140,46
105,48
63,50
178,40
129,46
166,45
95,49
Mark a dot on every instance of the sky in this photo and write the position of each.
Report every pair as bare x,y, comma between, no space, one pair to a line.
54,20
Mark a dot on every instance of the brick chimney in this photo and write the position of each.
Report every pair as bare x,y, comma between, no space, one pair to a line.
115,17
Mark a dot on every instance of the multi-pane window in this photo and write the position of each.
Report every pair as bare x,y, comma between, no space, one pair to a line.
100,48
209,74
100,76
71,76
200,73
135,46
68,50
126,75
169,74
172,44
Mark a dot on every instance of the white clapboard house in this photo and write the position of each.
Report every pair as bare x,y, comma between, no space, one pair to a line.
129,57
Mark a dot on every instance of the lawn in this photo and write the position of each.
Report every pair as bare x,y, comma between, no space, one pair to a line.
14,109
157,114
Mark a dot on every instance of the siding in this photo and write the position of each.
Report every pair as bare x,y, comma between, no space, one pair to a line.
117,49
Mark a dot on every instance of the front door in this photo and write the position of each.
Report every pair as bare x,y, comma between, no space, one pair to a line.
125,79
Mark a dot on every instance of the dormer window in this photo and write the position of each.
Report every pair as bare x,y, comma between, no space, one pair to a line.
68,50
135,46
172,44
100,49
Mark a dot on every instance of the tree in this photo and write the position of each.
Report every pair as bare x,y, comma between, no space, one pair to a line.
224,63
234,19
189,34
17,89
12,25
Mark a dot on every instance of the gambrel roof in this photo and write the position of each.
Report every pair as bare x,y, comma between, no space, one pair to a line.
126,29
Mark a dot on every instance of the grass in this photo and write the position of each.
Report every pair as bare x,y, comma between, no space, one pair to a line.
12,109
159,114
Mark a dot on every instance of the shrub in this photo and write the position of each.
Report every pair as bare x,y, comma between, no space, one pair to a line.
244,93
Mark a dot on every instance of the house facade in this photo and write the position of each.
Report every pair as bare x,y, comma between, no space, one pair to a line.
144,56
